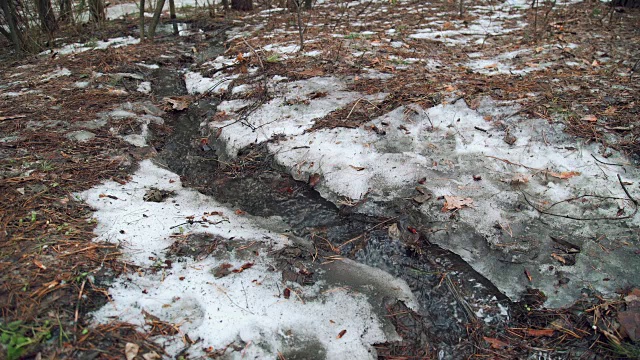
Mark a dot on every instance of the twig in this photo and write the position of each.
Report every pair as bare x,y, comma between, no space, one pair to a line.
602,162
546,212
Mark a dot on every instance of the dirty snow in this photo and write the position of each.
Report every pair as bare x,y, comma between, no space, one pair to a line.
448,144
244,308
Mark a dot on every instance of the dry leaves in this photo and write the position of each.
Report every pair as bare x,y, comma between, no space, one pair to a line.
455,203
495,343
177,103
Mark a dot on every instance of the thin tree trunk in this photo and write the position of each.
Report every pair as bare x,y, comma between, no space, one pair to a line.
172,16
225,5
47,18
66,11
141,20
15,34
308,4
156,18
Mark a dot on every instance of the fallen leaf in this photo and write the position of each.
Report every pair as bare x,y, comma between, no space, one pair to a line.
394,232
630,324
422,180
358,168
528,275
590,118
477,177
341,334
314,179
455,203
244,267
412,229
177,103
519,179
151,356
564,174
131,350
287,293
495,343
420,199
491,66
239,212
559,258
539,332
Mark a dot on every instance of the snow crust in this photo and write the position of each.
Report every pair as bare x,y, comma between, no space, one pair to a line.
245,308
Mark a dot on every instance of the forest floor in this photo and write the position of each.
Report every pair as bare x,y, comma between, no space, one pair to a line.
75,117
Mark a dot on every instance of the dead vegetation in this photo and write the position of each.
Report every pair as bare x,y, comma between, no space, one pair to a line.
53,275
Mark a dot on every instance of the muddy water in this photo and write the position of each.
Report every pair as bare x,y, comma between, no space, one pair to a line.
450,293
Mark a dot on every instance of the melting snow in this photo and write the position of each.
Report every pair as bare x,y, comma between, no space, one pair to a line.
244,308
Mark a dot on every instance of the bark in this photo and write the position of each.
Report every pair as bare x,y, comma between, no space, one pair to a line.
14,33
156,18
66,11
308,4
47,18
141,25
225,5
172,16
242,5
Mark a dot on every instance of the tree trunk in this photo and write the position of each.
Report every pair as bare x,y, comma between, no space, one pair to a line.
242,5
626,3
66,11
225,5
96,7
47,18
172,16
14,33
141,25
308,4
156,19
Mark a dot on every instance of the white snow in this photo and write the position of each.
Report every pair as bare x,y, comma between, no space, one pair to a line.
245,308
98,45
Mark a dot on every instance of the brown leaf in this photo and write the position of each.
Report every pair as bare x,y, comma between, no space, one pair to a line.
630,324
341,334
422,180
519,179
244,267
539,332
239,212
495,343
559,258
564,174
314,179
177,103
455,203
590,118
287,293
528,275
358,168
421,198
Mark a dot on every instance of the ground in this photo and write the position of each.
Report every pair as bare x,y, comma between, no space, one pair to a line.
480,166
